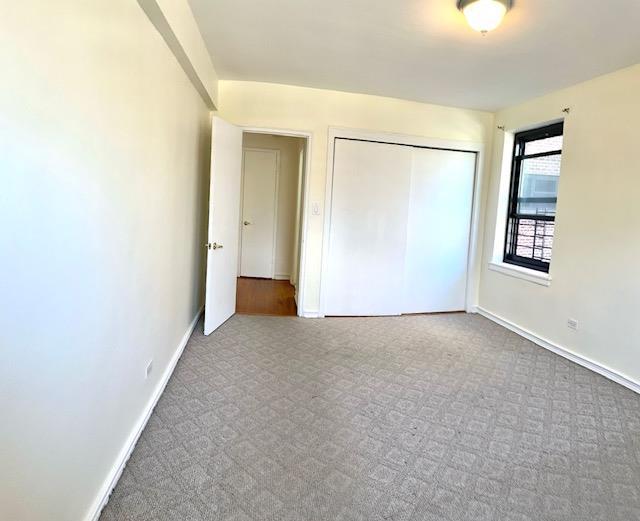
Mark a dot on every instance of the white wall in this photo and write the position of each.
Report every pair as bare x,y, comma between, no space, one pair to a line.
104,153
595,268
287,195
267,105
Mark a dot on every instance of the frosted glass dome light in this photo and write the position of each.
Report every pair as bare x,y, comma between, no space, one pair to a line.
484,15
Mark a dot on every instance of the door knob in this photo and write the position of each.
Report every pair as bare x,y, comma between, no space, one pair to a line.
246,223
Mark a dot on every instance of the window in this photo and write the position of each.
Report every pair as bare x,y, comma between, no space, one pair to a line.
533,196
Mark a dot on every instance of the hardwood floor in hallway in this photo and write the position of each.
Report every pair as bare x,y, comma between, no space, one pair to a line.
265,297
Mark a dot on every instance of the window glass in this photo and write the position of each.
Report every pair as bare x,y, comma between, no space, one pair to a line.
550,144
538,191
533,197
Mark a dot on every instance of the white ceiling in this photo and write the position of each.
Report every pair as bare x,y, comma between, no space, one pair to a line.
420,50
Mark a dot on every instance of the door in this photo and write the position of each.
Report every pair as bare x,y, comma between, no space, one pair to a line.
224,212
438,231
368,230
260,180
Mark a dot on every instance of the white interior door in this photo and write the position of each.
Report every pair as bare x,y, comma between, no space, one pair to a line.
367,241
224,210
260,180
438,232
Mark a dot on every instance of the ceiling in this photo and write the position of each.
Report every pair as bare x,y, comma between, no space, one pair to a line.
420,50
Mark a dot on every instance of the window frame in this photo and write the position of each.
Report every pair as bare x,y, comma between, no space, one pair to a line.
520,141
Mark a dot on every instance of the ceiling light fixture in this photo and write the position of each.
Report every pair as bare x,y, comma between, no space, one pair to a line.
484,15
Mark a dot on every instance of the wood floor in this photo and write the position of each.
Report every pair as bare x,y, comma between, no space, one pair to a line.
265,297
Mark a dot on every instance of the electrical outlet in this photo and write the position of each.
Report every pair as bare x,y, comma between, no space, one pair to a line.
315,208
149,369
572,323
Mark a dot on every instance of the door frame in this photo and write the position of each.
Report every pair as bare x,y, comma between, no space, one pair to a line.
474,256
275,207
304,210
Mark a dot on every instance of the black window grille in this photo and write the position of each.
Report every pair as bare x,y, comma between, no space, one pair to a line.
533,196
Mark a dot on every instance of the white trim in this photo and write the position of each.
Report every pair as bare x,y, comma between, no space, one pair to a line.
473,261
276,203
311,314
596,367
537,277
116,471
282,276
302,267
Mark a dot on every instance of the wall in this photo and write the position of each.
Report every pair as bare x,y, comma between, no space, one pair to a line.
297,108
287,195
594,269
104,155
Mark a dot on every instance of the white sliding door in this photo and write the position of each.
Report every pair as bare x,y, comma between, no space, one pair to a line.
367,236
438,231
400,229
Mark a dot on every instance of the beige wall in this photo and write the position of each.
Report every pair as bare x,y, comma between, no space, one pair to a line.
287,195
296,108
104,152
595,268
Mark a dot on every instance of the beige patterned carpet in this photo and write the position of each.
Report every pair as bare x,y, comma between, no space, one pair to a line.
445,417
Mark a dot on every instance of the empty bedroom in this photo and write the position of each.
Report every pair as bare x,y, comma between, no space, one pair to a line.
319,261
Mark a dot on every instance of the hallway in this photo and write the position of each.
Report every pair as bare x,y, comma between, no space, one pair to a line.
265,297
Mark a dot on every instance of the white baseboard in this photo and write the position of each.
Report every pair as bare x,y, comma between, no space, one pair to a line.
310,314
118,466
281,276
627,382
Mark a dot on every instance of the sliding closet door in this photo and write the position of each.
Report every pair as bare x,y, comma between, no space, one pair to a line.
438,231
367,236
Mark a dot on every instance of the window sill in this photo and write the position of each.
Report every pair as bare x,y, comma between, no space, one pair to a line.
537,277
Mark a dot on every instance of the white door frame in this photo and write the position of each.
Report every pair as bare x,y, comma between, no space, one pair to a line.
275,206
474,260
304,213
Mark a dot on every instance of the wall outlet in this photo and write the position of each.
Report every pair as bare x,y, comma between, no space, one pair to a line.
149,369
572,323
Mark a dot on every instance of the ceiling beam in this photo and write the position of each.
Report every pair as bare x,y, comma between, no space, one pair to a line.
175,22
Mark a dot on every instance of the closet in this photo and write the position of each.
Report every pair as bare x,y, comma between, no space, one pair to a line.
400,221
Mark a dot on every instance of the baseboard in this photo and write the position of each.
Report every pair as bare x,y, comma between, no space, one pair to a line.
311,314
281,276
118,466
621,379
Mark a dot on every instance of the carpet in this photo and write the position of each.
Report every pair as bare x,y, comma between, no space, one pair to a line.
440,417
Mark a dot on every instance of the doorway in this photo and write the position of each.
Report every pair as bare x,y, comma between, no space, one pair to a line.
271,211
